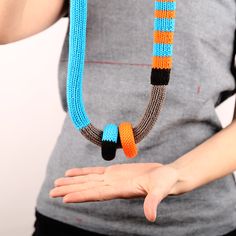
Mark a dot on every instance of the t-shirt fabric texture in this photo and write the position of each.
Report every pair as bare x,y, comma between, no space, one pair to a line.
116,88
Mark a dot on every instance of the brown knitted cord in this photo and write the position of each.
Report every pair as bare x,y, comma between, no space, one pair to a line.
157,98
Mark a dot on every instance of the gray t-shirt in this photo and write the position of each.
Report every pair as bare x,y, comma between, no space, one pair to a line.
116,88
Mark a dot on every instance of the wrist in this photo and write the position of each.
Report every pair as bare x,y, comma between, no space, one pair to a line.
184,183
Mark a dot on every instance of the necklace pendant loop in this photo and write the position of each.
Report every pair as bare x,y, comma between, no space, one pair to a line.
109,142
127,139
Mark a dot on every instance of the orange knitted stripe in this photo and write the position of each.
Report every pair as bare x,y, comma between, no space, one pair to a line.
127,139
161,62
163,37
164,14
164,0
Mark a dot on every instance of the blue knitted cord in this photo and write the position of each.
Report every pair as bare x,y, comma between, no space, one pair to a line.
170,6
77,46
162,50
110,133
163,24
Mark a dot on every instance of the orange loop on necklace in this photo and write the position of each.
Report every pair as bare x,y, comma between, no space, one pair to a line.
127,139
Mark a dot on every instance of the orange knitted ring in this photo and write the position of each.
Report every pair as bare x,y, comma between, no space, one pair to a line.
127,139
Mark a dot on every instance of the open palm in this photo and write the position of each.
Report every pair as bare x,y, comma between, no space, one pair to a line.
153,181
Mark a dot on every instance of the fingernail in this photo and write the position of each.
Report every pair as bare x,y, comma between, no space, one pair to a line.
65,200
51,195
154,219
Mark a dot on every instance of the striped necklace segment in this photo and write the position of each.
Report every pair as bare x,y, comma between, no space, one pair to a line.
124,135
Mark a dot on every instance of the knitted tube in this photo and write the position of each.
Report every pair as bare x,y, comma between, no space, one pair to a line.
146,123
127,139
109,142
163,35
77,45
164,24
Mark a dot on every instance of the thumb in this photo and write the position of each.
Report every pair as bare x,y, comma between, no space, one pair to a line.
151,202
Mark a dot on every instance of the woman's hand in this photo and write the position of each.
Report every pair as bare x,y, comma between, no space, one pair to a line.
153,181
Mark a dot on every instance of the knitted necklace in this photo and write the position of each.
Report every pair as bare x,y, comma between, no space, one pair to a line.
122,136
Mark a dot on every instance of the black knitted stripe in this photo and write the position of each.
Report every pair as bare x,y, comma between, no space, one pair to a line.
108,150
160,76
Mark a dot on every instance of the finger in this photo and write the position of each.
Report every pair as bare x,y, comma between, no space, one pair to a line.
63,190
158,190
150,206
85,171
152,200
102,193
78,179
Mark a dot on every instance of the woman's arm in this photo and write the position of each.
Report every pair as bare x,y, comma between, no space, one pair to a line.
211,160
23,18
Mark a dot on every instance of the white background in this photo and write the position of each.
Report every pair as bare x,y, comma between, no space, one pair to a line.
30,120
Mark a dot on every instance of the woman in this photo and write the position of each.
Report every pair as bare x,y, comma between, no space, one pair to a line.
184,168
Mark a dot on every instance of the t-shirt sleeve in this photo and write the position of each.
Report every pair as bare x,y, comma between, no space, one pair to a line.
233,61
67,8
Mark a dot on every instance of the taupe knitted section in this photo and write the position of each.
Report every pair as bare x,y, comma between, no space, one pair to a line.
156,101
